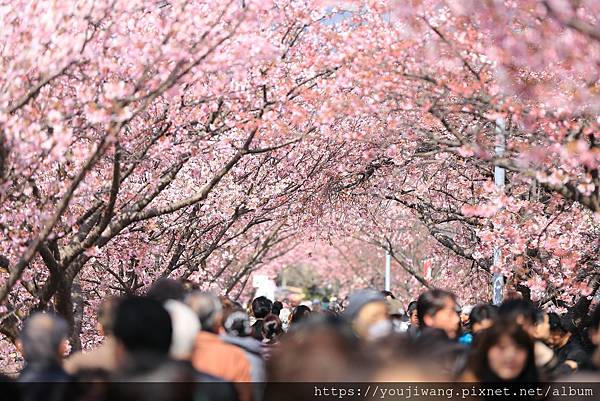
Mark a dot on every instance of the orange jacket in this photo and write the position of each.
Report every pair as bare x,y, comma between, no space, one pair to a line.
214,356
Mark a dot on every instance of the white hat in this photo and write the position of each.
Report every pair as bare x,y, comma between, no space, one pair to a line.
185,327
467,309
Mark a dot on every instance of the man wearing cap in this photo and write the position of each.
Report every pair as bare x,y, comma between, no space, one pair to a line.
367,312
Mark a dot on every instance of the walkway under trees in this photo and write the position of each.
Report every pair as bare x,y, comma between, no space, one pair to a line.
205,140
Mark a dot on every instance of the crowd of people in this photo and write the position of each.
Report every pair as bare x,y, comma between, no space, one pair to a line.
203,347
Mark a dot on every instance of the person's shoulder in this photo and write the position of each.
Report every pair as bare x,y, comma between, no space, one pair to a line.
576,352
432,334
248,344
585,376
50,376
235,351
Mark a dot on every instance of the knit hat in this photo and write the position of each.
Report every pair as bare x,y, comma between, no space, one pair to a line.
467,309
359,299
185,326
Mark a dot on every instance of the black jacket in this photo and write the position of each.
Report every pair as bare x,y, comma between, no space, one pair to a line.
46,381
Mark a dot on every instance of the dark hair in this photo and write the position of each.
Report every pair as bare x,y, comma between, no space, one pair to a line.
539,316
143,324
165,288
171,381
387,293
431,302
271,327
277,307
557,323
411,307
479,363
261,307
257,331
299,313
482,312
450,357
511,309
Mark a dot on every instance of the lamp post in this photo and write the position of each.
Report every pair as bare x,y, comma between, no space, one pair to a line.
388,270
499,180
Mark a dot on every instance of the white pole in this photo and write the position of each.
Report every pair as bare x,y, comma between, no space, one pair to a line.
499,172
499,180
388,270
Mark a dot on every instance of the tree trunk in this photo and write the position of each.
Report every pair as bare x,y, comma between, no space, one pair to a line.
78,303
64,305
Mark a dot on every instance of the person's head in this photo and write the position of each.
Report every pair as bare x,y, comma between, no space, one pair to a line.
504,352
185,326
277,307
437,309
43,337
465,313
165,288
559,333
541,328
106,315
398,358
394,307
227,303
261,307
335,307
143,325
322,348
482,317
271,327
300,313
511,295
368,312
236,322
519,311
411,311
208,309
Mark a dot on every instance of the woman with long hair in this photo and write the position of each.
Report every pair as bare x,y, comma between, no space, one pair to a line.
503,354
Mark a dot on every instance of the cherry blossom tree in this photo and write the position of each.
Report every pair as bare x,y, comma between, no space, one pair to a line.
118,123
204,141
436,81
